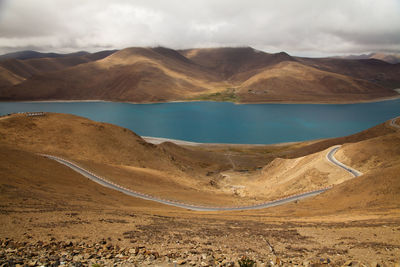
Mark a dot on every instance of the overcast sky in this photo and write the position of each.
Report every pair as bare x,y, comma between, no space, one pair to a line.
299,27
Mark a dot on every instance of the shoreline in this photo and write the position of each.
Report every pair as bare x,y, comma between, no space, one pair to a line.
160,140
189,101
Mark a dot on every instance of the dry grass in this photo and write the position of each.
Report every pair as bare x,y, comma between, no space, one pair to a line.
42,199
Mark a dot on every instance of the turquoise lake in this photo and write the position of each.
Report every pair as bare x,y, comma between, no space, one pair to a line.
220,122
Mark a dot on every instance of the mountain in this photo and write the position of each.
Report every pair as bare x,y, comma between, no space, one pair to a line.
229,62
389,58
17,67
157,74
29,54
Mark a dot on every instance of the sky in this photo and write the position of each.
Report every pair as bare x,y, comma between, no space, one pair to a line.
298,27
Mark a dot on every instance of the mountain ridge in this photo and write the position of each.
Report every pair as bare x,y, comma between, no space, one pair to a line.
159,74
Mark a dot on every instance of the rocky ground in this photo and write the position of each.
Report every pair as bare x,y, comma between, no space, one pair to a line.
104,253
51,215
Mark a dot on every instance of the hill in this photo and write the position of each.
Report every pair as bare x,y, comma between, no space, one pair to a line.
26,64
167,170
45,205
293,81
134,74
159,74
389,58
29,54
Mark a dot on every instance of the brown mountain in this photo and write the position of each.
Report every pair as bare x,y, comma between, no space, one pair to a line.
389,58
228,74
17,67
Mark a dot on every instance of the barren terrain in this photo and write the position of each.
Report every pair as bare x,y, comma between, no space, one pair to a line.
242,75
42,200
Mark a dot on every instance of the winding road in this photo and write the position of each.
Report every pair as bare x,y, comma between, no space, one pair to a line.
330,157
104,182
394,124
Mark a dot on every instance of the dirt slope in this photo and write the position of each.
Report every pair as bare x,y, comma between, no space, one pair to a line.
8,78
42,200
375,192
120,155
382,129
293,176
375,153
45,202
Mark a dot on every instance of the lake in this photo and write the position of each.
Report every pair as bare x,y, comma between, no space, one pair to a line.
221,122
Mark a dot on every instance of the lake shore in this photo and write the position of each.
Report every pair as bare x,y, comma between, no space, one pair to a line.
159,140
328,102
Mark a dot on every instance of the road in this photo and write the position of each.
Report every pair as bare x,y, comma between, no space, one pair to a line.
104,182
330,156
394,124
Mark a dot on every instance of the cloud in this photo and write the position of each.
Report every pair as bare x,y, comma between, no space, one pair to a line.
306,27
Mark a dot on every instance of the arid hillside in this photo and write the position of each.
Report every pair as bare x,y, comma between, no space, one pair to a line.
17,67
159,74
390,58
45,201
217,175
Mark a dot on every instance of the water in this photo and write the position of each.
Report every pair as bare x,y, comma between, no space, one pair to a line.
216,122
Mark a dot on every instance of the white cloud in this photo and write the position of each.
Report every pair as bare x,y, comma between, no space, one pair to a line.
310,27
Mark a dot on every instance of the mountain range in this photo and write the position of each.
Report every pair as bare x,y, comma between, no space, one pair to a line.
159,74
390,58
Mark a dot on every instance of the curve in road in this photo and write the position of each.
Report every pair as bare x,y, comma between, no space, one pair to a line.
394,124
133,193
330,157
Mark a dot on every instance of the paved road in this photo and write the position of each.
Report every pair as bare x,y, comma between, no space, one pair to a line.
133,193
330,156
394,124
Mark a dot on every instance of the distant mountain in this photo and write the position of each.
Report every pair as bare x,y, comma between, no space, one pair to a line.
28,54
390,58
158,74
19,66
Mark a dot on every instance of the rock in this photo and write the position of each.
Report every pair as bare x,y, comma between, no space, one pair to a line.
275,260
351,263
152,257
77,258
204,264
32,263
134,251
325,260
181,262
54,258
